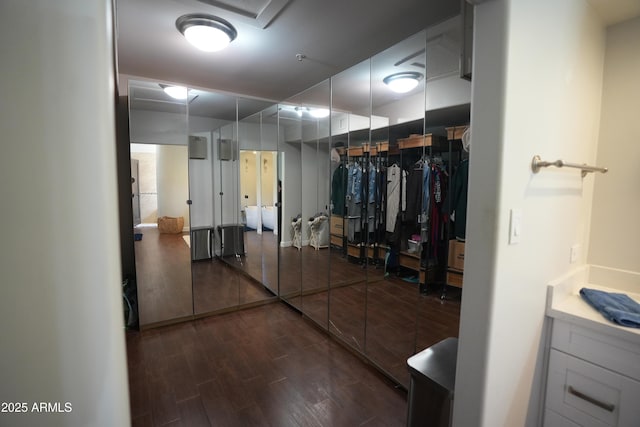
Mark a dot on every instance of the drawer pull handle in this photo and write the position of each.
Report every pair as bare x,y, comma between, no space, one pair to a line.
606,406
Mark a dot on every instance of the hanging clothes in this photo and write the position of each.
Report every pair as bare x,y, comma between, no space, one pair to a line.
354,183
458,203
381,202
339,190
372,182
414,195
437,219
396,195
426,201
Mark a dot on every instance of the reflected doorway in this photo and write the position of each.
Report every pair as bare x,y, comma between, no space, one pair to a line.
163,262
259,195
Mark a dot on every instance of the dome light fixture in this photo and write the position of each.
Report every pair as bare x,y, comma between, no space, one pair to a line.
176,92
403,82
206,32
319,113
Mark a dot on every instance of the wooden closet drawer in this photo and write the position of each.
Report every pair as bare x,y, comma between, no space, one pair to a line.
338,225
337,240
590,395
409,260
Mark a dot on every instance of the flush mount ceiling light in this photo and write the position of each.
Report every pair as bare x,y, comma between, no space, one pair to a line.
403,82
319,113
206,32
176,92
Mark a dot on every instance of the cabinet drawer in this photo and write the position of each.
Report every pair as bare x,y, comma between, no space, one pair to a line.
336,240
590,395
338,225
409,260
553,419
608,351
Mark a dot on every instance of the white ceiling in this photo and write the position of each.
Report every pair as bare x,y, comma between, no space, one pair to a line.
614,11
332,35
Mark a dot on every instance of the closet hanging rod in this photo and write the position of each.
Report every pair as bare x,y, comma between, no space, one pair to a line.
537,164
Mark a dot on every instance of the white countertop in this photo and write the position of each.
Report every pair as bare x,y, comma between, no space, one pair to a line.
564,302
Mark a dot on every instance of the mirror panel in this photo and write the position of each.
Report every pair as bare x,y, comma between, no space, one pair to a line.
209,112
335,203
350,128
315,121
250,196
290,179
239,225
271,195
447,115
392,303
159,153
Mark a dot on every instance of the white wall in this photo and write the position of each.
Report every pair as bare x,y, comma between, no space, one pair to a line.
291,186
173,181
155,127
310,187
248,178
536,90
201,185
226,180
268,164
61,307
249,136
615,231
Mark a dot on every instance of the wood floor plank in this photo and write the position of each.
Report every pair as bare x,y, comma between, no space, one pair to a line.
192,413
237,373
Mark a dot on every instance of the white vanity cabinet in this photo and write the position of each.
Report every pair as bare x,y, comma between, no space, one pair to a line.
593,377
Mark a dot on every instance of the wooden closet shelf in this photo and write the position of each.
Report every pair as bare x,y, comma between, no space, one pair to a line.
415,141
456,132
409,260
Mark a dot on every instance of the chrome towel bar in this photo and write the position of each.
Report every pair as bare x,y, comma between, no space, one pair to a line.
537,164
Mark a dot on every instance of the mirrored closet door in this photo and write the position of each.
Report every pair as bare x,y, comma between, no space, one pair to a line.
158,134
314,104
395,192
234,275
350,127
290,175
190,221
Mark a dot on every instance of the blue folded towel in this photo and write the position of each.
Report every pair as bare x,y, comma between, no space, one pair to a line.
618,308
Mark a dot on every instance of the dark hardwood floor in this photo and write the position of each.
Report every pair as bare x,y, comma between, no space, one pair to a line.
218,286
171,287
268,365
163,274
384,317
264,366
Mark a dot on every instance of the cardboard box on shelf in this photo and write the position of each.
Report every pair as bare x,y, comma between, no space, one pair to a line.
338,225
454,279
456,255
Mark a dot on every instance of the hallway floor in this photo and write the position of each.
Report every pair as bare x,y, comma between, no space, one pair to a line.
264,366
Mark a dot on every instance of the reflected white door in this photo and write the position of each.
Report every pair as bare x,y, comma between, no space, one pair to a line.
135,192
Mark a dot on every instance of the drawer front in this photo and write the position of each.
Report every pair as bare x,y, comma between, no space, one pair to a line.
610,352
454,279
336,240
590,395
337,225
553,419
409,261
